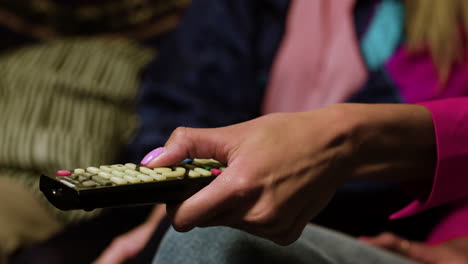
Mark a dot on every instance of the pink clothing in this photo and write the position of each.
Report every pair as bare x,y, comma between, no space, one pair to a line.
416,77
319,61
450,118
319,64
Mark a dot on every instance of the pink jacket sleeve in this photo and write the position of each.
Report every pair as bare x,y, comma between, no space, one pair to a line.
450,118
450,186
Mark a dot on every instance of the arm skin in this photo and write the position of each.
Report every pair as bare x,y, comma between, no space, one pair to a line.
128,245
453,251
284,168
392,142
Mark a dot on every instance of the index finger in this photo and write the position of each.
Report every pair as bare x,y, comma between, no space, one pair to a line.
190,143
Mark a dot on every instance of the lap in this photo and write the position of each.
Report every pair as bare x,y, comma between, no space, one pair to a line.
226,245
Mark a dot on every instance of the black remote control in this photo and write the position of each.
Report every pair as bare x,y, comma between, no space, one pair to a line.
128,185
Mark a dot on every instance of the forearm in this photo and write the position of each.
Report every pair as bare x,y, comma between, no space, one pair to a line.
391,142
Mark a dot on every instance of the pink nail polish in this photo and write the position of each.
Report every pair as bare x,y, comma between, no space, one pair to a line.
152,155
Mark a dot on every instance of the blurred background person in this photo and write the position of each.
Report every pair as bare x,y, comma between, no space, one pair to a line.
232,61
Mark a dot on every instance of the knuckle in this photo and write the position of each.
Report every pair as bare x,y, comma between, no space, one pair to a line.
289,235
242,187
387,236
180,132
261,213
286,240
181,227
267,217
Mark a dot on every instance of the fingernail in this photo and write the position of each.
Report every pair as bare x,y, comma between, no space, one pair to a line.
152,155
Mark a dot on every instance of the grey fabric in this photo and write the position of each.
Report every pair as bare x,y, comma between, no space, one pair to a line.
222,245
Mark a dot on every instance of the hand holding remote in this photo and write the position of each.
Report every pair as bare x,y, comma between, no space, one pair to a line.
282,170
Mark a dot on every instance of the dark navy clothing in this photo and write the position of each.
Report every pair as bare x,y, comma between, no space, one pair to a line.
213,70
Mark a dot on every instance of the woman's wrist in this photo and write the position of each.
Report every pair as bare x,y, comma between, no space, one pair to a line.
389,142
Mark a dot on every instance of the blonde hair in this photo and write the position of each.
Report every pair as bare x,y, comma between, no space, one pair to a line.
438,26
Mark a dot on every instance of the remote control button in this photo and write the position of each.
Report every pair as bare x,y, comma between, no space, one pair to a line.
145,170
157,176
69,184
79,171
222,168
216,172
174,174
118,180
82,178
203,172
131,179
131,166
207,162
63,173
187,161
131,172
105,169
68,179
145,178
87,174
182,169
105,175
201,161
162,170
118,173
89,184
193,174
119,167
101,180
93,170
189,166
207,168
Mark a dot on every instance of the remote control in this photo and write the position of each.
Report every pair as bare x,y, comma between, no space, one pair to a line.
127,184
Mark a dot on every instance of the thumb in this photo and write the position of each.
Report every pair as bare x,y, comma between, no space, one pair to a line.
216,197
188,143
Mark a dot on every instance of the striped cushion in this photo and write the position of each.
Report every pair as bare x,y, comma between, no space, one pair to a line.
67,104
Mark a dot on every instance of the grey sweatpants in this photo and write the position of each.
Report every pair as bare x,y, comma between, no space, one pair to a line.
222,245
